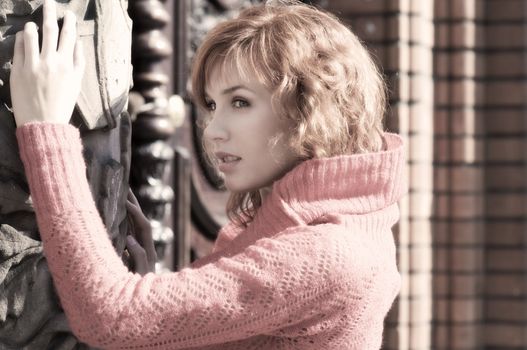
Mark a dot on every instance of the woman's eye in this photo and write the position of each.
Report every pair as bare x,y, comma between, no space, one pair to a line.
238,103
211,106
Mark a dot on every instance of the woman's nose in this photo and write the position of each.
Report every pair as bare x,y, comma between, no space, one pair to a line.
215,130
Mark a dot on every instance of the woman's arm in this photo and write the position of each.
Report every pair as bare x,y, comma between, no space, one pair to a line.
274,283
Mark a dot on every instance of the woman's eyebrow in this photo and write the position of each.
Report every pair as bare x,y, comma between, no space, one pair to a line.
231,89
234,88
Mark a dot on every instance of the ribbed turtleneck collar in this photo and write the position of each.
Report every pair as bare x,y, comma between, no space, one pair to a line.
348,184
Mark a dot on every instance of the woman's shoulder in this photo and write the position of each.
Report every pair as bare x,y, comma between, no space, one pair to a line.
349,247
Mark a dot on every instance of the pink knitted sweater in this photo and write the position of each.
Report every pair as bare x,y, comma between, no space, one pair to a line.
316,269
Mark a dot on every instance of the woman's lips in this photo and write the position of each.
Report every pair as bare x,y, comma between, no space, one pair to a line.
226,161
226,167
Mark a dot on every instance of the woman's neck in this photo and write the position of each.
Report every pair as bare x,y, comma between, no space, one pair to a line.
264,192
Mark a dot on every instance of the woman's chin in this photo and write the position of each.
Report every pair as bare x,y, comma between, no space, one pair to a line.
237,187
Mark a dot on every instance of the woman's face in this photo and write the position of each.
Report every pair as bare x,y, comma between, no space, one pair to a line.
247,139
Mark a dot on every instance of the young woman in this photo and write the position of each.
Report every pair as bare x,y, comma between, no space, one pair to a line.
294,109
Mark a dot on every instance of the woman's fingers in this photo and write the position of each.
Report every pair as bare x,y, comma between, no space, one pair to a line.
143,231
79,61
67,46
52,79
31,53
50,29
138,255
18,54
68,35
142,226
132,198
137,215
135,212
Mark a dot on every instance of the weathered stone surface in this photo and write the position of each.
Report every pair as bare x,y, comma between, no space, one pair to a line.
30,313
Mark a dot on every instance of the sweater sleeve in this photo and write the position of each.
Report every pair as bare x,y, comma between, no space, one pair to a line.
272,284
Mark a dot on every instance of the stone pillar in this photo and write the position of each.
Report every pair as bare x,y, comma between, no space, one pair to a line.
458,179
30,312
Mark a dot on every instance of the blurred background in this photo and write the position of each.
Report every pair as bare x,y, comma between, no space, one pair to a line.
456,73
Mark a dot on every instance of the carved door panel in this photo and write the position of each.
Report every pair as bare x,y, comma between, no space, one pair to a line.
207,199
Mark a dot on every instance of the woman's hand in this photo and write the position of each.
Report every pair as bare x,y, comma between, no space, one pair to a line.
140,247
45,86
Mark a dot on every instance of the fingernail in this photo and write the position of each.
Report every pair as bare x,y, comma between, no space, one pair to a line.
131,240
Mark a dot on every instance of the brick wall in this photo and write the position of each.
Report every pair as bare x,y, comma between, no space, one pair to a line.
457,76
503,114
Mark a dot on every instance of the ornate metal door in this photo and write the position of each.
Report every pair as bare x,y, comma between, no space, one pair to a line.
177,189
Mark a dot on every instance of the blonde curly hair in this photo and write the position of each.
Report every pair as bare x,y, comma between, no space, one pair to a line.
322,80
